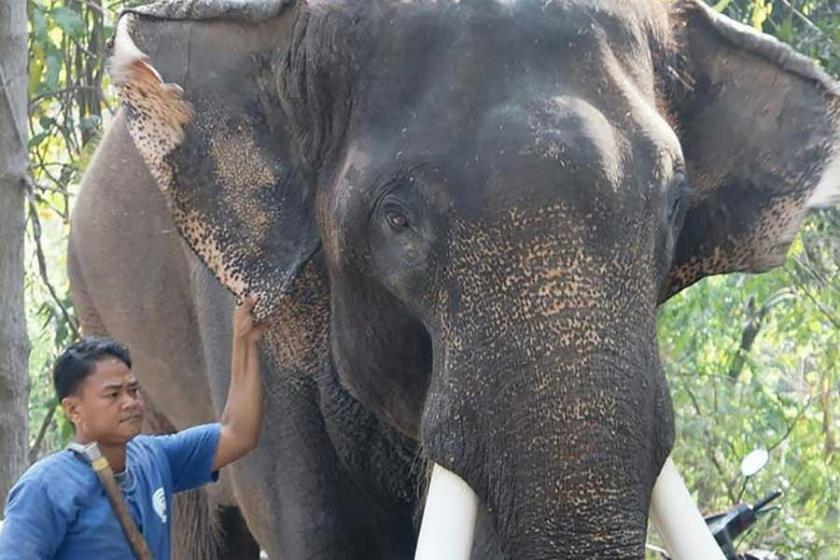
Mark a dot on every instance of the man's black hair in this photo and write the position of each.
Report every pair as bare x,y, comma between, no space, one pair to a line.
79,359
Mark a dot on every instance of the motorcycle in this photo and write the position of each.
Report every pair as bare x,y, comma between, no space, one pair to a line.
727,526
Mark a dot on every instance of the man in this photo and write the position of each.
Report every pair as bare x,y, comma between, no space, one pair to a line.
58,509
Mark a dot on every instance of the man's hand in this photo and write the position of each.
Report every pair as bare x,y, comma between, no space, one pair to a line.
242,419
244,325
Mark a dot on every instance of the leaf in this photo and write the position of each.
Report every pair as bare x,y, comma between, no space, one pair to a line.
87,152
54,64
785,30
722,5
68,20
36,140
36,67
38,22
761,10
46,122
90,122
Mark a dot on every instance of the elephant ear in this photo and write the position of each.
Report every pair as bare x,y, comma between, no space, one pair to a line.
216,142
760,131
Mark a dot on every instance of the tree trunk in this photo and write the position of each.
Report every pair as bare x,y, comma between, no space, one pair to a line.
14,345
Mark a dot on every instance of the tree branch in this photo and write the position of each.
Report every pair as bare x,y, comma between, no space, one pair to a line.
42,261
826,312
710,448
810,25
792,425
70,89
802,17
32,456
755,319
827,419
42,187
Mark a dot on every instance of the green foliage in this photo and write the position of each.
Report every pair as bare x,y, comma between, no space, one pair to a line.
67,110
784,398
781,391
761,10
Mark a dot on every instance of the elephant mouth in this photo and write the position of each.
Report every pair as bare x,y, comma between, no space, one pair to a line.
450,512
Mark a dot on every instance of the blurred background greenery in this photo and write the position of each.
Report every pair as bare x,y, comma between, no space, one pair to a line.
752,360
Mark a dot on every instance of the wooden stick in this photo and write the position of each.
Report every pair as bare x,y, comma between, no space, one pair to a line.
105,474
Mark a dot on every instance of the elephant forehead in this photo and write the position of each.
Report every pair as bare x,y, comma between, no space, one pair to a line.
471,53
562,129
518,94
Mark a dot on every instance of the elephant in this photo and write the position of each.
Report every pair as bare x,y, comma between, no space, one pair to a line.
459,219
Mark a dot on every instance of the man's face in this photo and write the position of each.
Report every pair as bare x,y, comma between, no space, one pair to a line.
107,407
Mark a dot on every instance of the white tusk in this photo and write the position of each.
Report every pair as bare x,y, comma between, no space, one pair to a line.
678,521
446,532
827,192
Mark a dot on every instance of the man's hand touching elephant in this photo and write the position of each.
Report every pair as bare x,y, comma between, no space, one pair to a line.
245,326
242,418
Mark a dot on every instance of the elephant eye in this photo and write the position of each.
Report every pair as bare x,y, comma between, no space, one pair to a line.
397,218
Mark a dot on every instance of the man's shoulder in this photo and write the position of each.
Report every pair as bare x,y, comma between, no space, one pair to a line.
60,477
56,466
142,441
159,446
169,455
144,448
187,435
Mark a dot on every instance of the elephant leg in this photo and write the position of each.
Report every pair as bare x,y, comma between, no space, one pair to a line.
297,498
380,469
237,541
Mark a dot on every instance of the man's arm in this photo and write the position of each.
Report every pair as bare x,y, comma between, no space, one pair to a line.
34,526
242,418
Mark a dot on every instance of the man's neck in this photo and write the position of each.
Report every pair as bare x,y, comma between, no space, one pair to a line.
114,453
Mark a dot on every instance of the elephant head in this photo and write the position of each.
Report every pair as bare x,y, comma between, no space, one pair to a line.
499,194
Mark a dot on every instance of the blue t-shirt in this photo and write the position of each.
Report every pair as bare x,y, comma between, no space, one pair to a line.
58,509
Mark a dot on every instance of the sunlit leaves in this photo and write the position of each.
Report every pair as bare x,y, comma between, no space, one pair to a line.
761,10
69,21
785,398
787,395
722,5
67,111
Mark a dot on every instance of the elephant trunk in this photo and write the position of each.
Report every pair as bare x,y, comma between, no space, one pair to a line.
561,436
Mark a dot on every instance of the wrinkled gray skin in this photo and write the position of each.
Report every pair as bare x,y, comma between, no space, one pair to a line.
459,218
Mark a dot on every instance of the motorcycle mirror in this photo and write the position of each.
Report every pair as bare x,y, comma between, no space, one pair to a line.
754,462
